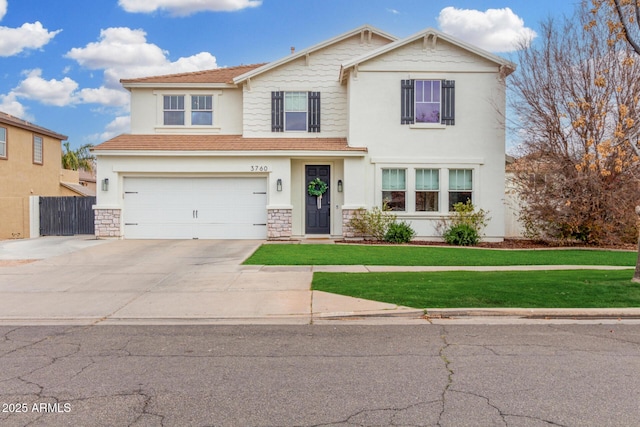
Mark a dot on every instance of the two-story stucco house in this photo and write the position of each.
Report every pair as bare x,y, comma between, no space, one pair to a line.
416,123
29,166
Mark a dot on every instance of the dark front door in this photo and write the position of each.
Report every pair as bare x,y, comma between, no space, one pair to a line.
318,215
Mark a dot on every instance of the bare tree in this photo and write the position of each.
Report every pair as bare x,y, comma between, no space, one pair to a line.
623,20
575,99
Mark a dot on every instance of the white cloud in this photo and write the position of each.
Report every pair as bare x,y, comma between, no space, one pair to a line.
28,36
118,47
118,126
125,53
49,92
3,8
495,30
104,96
186,7
10,105
394,11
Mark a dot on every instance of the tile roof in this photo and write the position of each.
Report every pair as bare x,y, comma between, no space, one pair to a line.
223,143
8,119
217,75
79,188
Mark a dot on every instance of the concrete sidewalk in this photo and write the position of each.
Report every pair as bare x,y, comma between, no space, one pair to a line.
86,281
80,280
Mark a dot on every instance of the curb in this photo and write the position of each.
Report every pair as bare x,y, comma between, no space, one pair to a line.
537,313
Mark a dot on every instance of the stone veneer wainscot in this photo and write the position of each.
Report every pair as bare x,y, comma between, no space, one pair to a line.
107,223
279,224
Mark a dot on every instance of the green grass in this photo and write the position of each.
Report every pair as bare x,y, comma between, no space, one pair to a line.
284,254
507,289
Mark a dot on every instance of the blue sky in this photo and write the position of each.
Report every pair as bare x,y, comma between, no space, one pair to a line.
61,61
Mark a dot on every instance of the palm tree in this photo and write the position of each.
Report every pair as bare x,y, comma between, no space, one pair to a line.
77,159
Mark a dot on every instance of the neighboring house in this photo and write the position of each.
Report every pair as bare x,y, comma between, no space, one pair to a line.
29,166
230,153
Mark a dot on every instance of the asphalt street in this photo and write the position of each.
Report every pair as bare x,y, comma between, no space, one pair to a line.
311,375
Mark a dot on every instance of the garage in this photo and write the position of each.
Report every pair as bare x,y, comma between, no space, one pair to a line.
195,208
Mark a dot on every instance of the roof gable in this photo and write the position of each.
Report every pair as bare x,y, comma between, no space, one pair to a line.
365,31
429,38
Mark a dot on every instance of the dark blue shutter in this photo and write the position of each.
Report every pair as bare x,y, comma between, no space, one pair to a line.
277,111
314,111
448,106
407,114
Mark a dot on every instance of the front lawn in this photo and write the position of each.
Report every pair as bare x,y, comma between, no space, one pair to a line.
506,289
285,254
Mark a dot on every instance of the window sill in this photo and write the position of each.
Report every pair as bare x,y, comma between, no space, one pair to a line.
187,129
427,126
421,215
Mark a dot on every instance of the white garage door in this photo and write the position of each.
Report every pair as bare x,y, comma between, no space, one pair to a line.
195,208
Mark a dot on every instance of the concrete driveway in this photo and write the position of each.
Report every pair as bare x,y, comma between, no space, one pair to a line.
161,280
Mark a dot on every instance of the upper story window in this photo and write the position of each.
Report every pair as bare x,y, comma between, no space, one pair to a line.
3,143
201,110
37,150
173,110
427,102
295,111
187,110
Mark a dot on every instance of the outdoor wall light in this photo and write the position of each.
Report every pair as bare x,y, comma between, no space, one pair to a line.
339,186
105,184
279,184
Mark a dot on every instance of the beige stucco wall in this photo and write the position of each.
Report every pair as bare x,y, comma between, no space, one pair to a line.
22,178
147,109
14,212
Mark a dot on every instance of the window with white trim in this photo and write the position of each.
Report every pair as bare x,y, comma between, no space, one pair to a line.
394,189
427,102
37,150
427,94
295,111
173,108
3,143
460,186
201,110
427,190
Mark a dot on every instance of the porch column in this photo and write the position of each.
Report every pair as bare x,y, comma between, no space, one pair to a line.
357,186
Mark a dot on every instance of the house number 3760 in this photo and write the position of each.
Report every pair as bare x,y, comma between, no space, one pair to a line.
259,168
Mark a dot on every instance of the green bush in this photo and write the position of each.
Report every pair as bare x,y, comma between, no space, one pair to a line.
465,226
461,235
399,232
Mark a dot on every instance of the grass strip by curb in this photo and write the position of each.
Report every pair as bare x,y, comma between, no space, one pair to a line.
505,289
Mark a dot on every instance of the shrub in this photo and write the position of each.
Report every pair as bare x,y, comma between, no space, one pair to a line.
465,226
372,224
399,232
461,235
